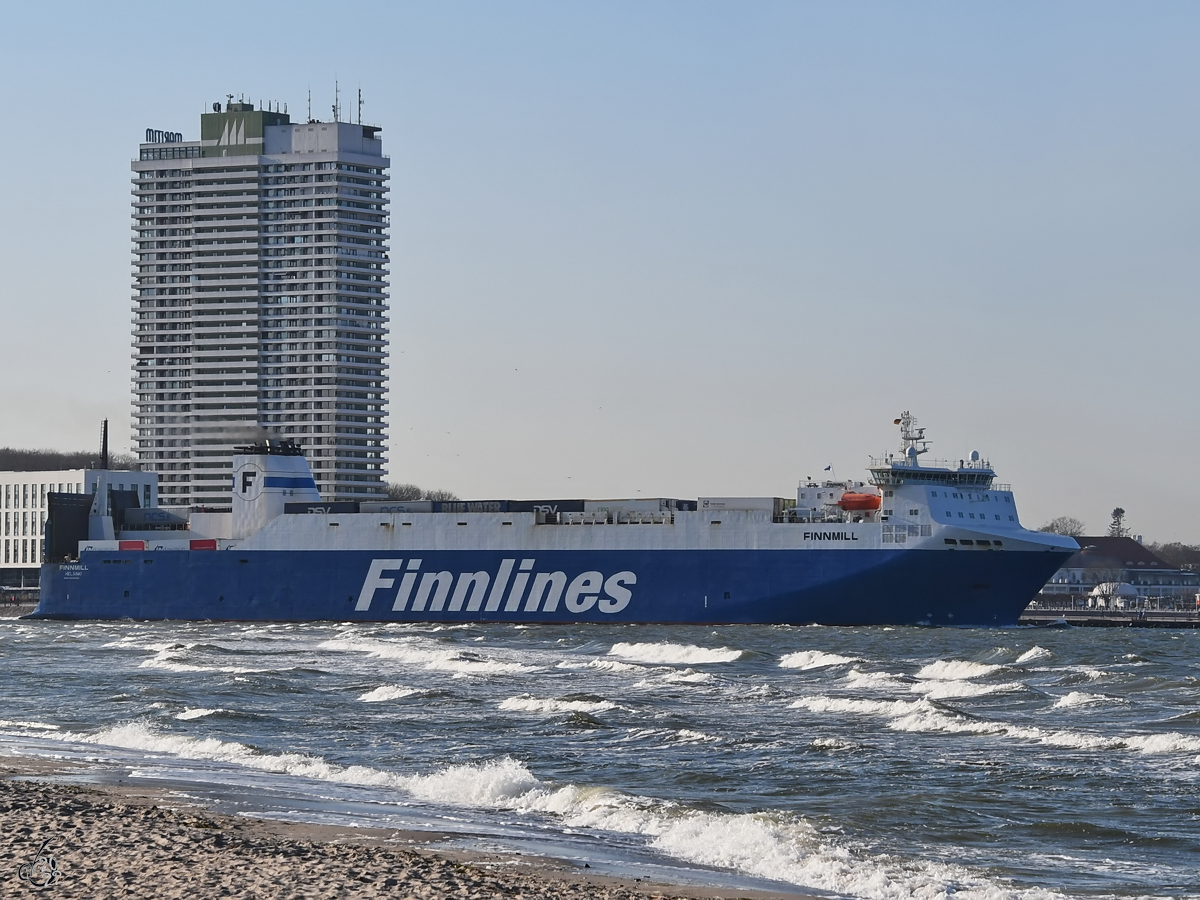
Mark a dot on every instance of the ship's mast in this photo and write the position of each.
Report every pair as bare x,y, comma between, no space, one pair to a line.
912,438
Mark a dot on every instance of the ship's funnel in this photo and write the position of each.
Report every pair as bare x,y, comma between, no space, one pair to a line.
267,475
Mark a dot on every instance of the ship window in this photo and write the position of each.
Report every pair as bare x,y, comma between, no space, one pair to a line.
997,543
948,514
914,512
967,542
960,515
727,595
984,543
997,518
1008,499
972,515
1011,519
951,541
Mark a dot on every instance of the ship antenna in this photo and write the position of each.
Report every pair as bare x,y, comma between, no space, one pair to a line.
104,444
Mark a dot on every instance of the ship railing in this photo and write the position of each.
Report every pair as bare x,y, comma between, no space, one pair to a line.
954,465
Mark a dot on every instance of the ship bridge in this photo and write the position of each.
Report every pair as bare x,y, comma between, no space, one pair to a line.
906,467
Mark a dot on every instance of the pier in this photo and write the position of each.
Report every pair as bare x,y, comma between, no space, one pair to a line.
1111,618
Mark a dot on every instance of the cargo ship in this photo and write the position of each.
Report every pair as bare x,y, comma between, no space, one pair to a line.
919,542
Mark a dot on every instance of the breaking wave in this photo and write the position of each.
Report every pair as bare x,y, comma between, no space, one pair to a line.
387,692
436,658
196,713
813,659
1078,698
526,703
956,670
923,716
1034,654
674,654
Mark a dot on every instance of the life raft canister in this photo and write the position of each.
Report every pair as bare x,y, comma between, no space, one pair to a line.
860,501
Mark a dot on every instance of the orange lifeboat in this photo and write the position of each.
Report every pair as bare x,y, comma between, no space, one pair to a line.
860,501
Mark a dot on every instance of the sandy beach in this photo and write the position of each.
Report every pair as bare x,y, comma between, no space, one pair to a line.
135,842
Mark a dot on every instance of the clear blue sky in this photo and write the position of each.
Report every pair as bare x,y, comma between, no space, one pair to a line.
678,248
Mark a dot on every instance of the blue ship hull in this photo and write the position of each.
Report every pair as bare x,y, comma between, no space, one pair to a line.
793,587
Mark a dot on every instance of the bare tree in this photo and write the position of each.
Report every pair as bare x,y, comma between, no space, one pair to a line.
397,491
1117,528
1067,525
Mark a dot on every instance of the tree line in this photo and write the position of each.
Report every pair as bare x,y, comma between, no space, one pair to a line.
15,460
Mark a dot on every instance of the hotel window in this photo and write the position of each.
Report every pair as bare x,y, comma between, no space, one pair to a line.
6,551
24,551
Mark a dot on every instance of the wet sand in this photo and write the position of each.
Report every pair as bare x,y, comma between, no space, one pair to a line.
117,841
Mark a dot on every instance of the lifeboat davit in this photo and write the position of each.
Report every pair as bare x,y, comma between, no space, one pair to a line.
860,501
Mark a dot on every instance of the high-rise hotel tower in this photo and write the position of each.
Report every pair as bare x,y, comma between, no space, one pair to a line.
260,300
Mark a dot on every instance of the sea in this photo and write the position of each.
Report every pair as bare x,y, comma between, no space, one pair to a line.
882,763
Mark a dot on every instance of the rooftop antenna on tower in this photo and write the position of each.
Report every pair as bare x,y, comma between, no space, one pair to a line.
360,106
336,102
104,445
310,104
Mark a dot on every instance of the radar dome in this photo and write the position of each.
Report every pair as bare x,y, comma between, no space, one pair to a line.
974,456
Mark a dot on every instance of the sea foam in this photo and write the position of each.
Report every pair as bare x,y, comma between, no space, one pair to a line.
766,844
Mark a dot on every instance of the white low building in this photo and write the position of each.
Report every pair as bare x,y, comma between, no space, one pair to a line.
24,506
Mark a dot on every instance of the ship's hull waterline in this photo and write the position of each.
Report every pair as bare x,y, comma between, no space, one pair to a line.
797,587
